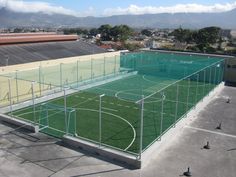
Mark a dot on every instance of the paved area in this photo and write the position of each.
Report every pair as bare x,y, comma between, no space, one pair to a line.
24,154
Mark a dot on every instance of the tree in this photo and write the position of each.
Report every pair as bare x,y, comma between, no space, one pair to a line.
116,33
18,30
209,35
146,32
183,35
93,31
105,31
132,47
121,33
75,31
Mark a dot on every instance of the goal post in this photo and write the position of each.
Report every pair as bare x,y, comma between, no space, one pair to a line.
55,120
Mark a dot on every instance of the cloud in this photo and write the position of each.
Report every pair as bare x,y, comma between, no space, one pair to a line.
44,7
185,8
48,8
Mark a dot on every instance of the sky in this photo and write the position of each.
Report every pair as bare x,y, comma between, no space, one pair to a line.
117,7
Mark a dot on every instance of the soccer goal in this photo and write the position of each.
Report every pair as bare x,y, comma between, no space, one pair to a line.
56,120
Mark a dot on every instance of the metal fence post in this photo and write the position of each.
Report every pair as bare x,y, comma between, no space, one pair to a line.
196,97
204,82
210,80
33,101
46,116
176,105
141,129
222,72
188,95
61,75
17,88
40,81
100,119
10,95
65,111
77,73
75,124
43,81
219,74
215,76
162,109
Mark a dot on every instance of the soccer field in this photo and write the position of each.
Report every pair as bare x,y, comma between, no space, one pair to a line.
128,105
120,111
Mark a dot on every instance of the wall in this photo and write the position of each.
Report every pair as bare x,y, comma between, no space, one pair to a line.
230,70
16,81
28,66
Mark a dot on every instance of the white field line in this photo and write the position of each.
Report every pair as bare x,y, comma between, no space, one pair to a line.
31,112
209,131
110,109
155,101
123,91
43,128
44,119
160,83
87,100
99,88
155,82
134,132
22,109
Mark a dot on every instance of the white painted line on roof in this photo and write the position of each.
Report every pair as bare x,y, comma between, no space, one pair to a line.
209,131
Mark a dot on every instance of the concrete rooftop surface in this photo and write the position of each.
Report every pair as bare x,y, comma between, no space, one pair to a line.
25,154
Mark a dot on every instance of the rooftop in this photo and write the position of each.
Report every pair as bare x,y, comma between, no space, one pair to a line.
19,38
20,150
25,53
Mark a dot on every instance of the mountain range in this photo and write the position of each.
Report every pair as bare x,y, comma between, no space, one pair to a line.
225,20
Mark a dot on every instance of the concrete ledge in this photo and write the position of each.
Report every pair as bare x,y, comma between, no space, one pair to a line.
20,123
108,153
190,53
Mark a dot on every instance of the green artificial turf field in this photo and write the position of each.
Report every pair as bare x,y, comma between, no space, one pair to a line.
166,101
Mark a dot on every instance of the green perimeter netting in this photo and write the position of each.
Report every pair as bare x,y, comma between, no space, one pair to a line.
169,84
173,66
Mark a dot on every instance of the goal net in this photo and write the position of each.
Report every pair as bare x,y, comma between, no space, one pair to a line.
56,120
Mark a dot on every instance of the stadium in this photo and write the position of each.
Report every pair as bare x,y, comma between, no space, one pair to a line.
121,103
